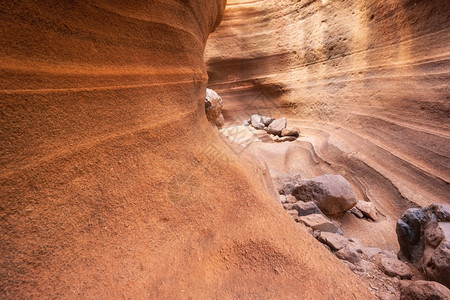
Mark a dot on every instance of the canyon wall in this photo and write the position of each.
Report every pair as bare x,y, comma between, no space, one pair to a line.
114,185
366,81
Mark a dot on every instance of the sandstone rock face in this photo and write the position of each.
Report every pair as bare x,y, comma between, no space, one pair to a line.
369,81
424,238
213,108
332,193
102,180
420,289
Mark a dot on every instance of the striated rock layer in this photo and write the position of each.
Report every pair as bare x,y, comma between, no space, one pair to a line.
366,81
107,161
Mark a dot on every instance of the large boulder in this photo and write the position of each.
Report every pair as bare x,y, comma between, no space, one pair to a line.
424,238
421,289
213,108
332,193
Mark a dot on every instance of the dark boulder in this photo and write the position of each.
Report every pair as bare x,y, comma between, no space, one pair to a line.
424,238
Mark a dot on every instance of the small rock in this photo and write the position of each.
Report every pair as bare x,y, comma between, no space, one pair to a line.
289,206
333,194
356,245
367,209
267,120
350,253
354,240
371,252
356,212
289,132
421,289
383,295
316,233
293,213
246,123
319,222
256,121
213,108
390,289
291,199
335,241
393,267
354,268
389,254
276,126
285,139
306,208
282,199
286,189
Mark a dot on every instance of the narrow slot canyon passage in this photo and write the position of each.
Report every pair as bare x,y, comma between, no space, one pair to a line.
366,82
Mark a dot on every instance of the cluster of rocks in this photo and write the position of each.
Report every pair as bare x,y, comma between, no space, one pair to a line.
276,128
384,273
213,108
314,202
332,194
424,239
